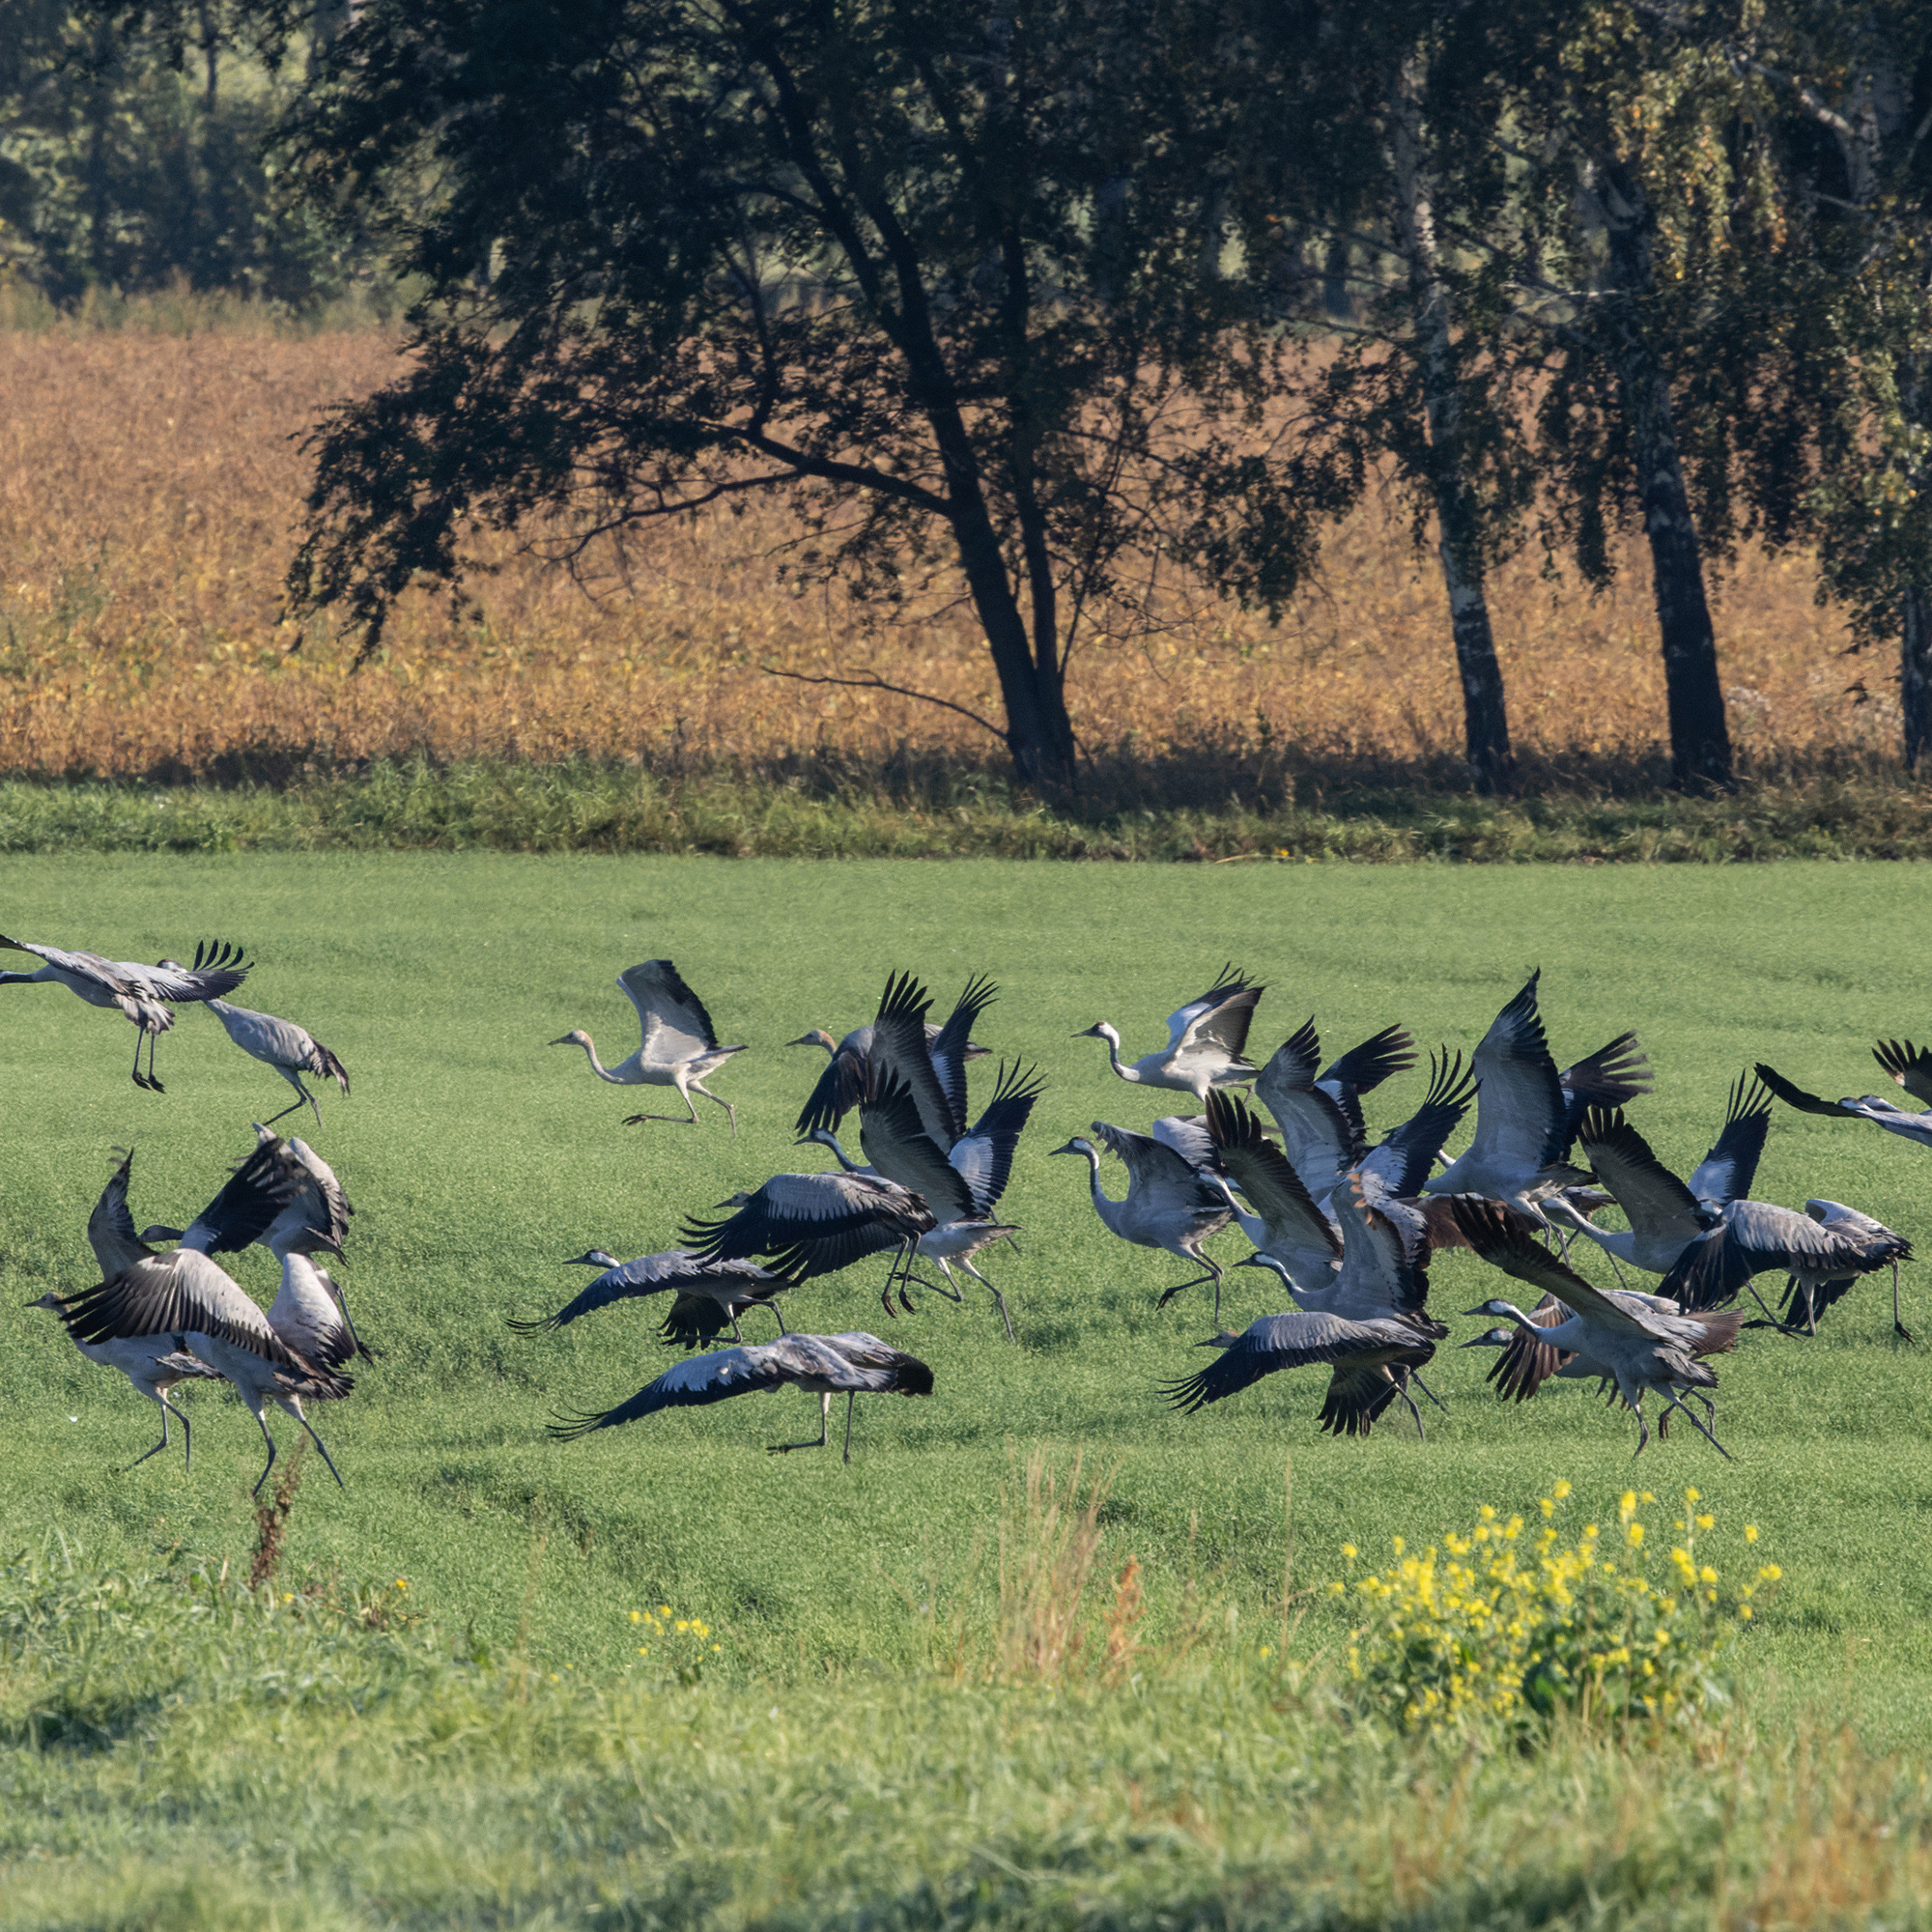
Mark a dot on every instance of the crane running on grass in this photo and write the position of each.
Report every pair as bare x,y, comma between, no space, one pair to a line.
144,994
1642,1346
1205,1042
1170,1203
291,1050
150,1362
679,1048
732,1287
822,1365
1814,1286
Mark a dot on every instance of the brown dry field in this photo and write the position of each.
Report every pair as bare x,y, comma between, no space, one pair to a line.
150,486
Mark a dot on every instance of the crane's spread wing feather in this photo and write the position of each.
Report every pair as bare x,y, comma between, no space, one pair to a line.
948,1048
900,1053
1727,1171
655,1274
1519,1105
1289,1341
673,1023
1384,1249
1526,1364
898,1146
1265,1175
1651,1196
984,1156
1317,1134
1406,1158
1613,1076
705,1379
249,1204
1908,1065
110,1228
180,1294
1218,1020
1155,1170
837,1090
1503,1241
1792,1096
1359,1390
1364,1067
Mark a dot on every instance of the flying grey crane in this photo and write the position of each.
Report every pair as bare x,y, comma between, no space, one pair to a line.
1385,1251
1206,1039
186,1295
150,1362
822,1365
962,1186
1814,1287
291,1050
732,1287
1319,1114
1527,1113
1752,1237
1169,1203
1666,1215
948,1048
144,994
1366,1357
1873,1107
679,1048
1642,1346
806,1225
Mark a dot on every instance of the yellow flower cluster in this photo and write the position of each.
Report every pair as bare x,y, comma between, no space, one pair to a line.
1502,1623
690,1639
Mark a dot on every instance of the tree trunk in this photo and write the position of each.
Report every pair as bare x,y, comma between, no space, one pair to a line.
1700,740
1914,672
1458,513
1040,734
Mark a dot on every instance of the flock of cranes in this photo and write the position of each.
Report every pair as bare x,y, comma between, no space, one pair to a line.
1347,1228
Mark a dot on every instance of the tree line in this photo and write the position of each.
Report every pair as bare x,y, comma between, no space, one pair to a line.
1046,300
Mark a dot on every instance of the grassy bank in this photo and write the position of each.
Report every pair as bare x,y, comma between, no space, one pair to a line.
829,809
353,1775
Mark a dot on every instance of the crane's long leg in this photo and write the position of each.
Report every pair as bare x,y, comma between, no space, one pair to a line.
824,1431
136,1075
1690,1415
324,1448
1413,1409
153,1041
1642,1426
1762,1304
1616,1270
262,1416
671,1119
1898,1326
187,1441
851,1397
731,1112
999,1299
1197,1281
303,1099
1428,1391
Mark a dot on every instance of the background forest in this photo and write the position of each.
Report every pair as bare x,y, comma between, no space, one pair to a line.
1174,404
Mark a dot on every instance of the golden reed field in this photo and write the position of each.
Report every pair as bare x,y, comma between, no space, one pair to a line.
150,489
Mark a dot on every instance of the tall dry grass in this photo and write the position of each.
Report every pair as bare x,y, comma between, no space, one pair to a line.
150,486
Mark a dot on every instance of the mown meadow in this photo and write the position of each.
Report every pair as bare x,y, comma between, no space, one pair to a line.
437,1707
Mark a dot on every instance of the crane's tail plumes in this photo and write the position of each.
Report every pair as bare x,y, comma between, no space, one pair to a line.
330,1067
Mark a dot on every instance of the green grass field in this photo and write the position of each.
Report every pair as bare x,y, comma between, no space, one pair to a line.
479,1160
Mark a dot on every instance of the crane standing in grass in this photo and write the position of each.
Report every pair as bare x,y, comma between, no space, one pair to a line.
679,1046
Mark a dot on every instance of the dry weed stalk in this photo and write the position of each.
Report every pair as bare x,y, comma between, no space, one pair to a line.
272,1520
1049,1542
150,487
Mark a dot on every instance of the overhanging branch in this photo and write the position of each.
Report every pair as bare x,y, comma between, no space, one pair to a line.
872,681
